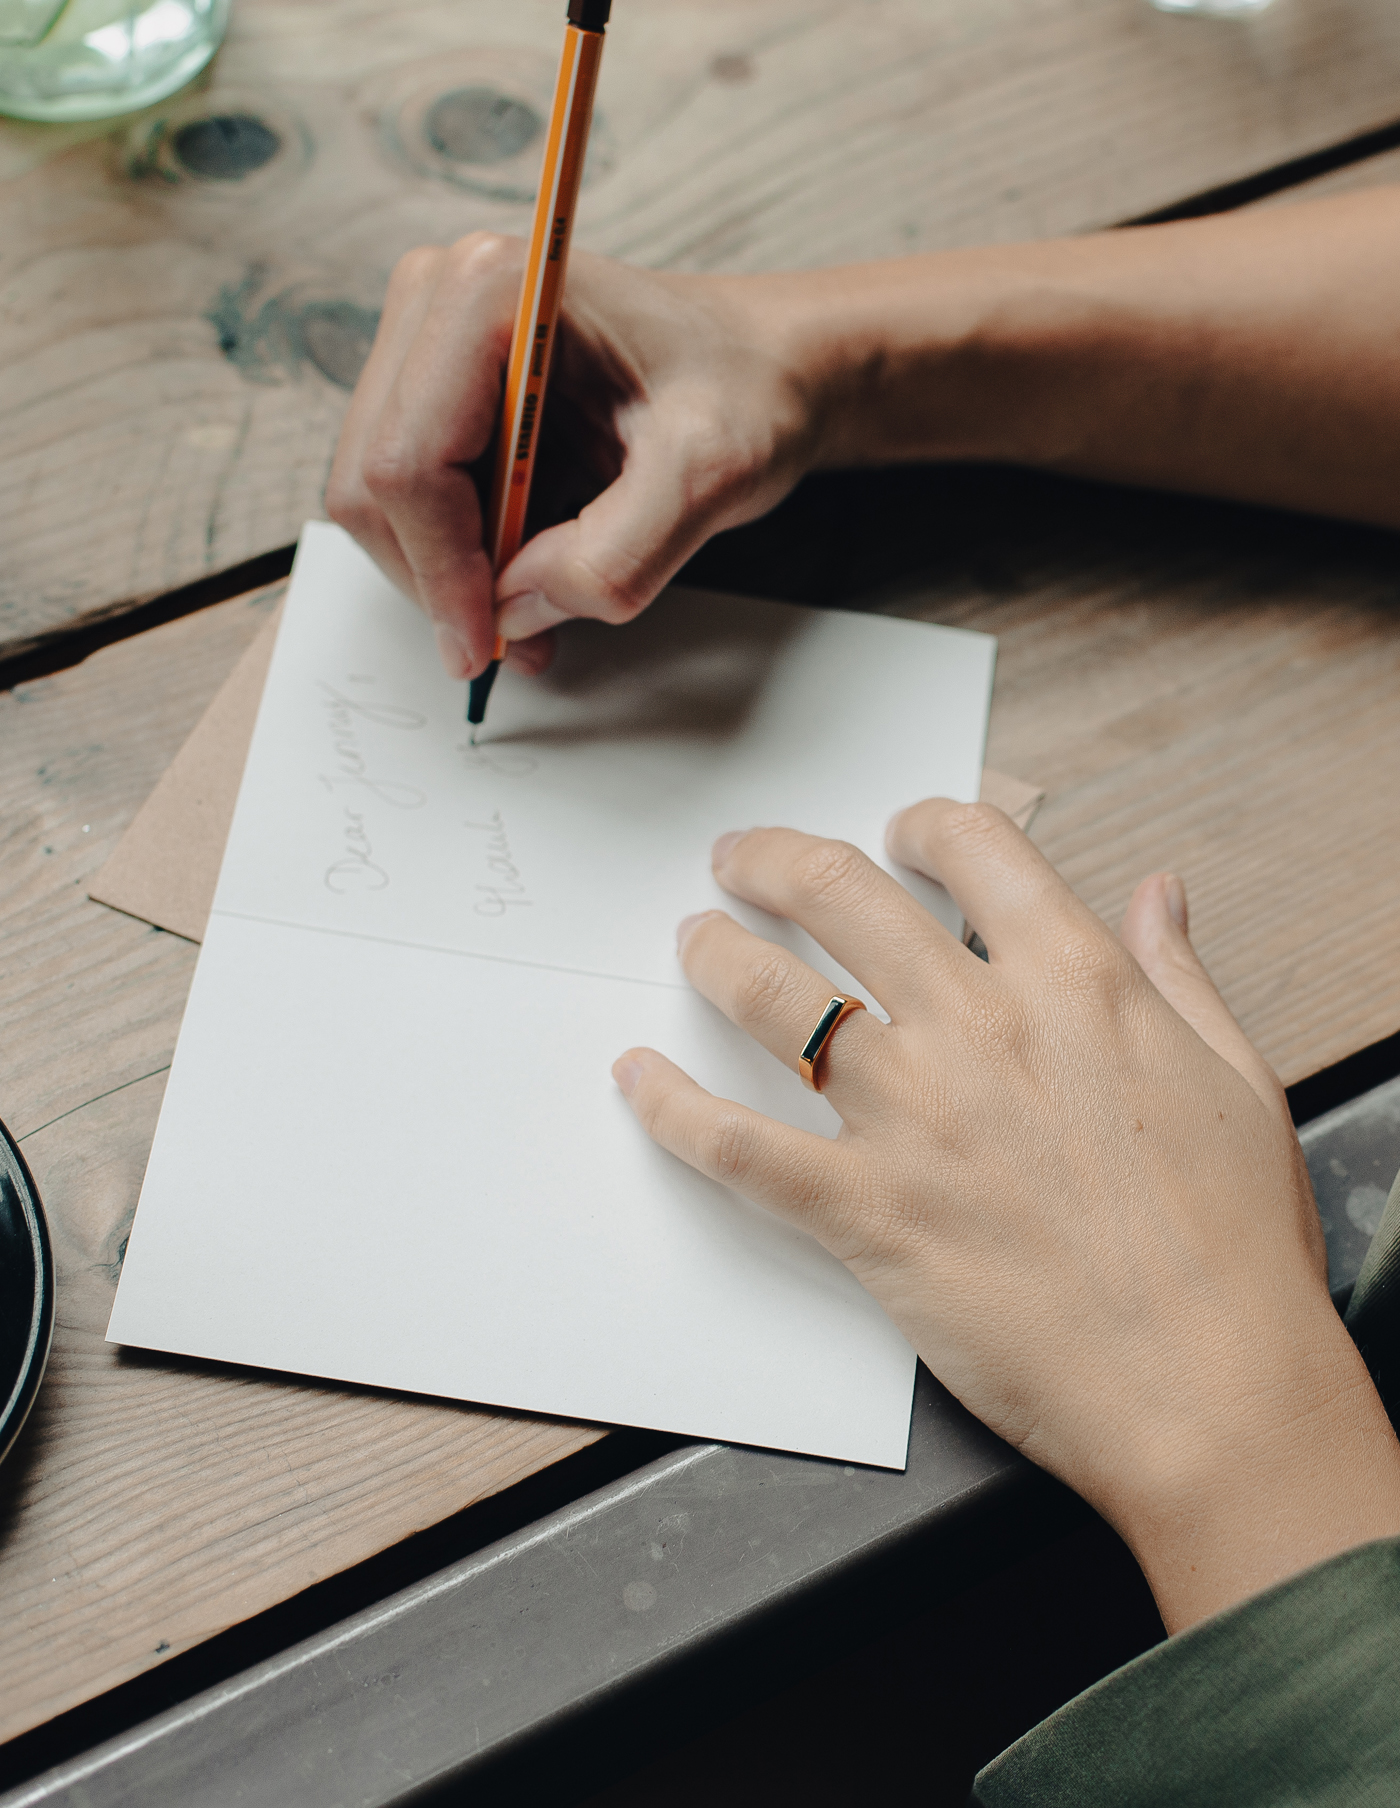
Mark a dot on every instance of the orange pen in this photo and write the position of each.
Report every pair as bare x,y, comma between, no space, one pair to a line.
541,295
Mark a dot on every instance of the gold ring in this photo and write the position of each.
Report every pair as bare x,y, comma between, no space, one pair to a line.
832,1014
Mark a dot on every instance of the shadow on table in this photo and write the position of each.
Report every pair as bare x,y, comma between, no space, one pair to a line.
844,536
841,537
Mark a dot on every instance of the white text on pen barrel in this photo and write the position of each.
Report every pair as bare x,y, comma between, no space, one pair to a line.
506,886
345,715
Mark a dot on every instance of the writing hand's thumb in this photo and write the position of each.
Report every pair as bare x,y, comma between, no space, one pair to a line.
611,561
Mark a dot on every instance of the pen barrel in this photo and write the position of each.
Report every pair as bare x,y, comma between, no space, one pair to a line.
542,292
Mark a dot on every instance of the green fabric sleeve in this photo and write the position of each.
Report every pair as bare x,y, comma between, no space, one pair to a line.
1291,1699
1373,1317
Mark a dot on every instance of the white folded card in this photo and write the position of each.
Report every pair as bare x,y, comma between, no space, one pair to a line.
391,1151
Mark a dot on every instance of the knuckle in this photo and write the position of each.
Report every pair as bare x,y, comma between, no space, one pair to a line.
390,469
760,992
707,452
616,601
483,254
993,1027
976,825
827,869
347,504
872,1223
1089,964
414,270
730,1143
618,607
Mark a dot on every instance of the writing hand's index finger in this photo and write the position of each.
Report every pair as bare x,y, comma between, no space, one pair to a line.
437,419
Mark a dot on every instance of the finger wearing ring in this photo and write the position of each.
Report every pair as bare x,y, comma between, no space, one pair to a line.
770,993
814,1047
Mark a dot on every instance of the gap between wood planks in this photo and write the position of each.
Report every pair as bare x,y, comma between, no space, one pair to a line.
67,647
1292,174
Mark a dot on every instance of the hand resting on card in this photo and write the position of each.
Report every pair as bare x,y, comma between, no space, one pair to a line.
1069,1179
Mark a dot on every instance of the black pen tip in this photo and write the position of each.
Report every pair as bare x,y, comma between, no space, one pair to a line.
477,692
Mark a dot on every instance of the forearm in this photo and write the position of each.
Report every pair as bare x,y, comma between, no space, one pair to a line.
1255,356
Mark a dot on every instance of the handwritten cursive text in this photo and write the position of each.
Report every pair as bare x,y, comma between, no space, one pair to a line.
506,886
506,762
355,870
345,715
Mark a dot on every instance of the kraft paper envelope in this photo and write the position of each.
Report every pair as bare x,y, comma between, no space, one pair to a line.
390,1150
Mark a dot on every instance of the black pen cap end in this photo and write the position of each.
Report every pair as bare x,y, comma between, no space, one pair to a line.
589,15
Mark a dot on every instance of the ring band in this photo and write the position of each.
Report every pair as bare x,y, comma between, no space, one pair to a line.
832,1014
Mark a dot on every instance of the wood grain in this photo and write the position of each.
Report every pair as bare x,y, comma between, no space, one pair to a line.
177,333
1214,691
149,1503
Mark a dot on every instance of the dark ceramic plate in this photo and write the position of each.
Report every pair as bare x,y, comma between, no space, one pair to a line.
26,1291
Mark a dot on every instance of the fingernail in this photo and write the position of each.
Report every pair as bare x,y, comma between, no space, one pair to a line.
453,651
726,845
526,613
627,1072
1176,901
686,924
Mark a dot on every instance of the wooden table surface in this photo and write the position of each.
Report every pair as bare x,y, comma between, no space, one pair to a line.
180,329
1209,688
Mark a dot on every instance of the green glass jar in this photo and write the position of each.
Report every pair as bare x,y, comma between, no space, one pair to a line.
91,59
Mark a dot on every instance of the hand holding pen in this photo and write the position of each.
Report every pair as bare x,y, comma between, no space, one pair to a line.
674,411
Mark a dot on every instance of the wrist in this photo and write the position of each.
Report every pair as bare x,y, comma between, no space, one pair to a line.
915,358
1291,1462
999,353
936,357
881,354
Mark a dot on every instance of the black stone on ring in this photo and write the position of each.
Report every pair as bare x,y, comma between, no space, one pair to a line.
838,1008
